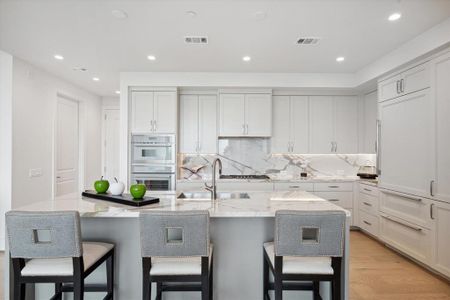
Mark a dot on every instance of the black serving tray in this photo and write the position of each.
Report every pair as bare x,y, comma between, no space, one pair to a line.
126,199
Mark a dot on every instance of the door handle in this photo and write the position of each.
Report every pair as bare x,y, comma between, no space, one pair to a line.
377,148
431,211
402,195
402,86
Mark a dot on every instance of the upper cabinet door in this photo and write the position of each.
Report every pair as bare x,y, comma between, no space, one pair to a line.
232,115
207,123
346,124
321,124
281,112
299,124
406,144
370,122
142,111
415,79
389,88
189,127
165,112
258,115
441,73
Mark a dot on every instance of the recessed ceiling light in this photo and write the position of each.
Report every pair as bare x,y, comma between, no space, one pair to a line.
394,17
118,92
191,13
119,14
340,59
246,58
151,57
95,78
58,57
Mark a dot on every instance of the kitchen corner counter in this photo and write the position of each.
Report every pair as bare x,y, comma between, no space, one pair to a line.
258,205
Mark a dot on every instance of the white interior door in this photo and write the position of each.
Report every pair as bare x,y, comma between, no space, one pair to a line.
111,144
67,149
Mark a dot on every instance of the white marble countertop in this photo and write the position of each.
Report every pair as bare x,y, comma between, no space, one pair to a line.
258,205
296,180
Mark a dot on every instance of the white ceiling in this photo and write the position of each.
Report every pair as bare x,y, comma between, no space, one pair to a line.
87,35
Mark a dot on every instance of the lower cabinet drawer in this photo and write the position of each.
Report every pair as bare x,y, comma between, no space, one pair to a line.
368,189
291,186
333,186
343,199
368,203
411,239
244,186
369,223
413,209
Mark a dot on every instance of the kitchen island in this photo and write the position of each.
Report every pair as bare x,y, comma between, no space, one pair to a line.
239,227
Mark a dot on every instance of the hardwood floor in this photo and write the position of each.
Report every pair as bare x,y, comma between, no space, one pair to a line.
378,273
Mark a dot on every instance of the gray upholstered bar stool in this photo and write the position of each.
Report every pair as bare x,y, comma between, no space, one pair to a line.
308,247
46,247
176,252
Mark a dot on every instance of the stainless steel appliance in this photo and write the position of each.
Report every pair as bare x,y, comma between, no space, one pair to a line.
153,162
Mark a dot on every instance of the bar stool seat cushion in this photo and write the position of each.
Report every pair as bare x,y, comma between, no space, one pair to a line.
301,264
188,265
92,252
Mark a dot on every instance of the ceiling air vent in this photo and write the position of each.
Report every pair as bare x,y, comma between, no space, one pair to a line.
196,39
308,40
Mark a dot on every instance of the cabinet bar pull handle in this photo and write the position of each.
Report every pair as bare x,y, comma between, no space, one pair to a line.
402,85
294,186
377,149
403,195
401,223
333,186
151,125
431,211
334,200
431,188
155,125
367,190
243,128
332,147
367,203
368,223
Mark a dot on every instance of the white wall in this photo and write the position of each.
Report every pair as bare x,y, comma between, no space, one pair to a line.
34,107
6,73
111,102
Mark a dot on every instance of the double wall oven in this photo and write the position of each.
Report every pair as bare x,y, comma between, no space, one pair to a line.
153,161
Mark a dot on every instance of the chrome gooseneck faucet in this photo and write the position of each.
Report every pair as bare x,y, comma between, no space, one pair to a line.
213,187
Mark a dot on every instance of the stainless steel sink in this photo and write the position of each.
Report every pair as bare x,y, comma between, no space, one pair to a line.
207,195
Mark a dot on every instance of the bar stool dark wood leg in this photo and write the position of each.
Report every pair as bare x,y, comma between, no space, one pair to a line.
78,278
316,290
159,290
336,284
146,284
205,278
211,280
110,276
278,277
58,291
265,278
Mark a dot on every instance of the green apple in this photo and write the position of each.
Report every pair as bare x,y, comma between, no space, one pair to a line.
101,186
138,191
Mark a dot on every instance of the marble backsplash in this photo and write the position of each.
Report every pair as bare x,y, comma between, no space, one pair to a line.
251,156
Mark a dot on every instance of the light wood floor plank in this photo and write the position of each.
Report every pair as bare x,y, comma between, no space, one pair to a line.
378,273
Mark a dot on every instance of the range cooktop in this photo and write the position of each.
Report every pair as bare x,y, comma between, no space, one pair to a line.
244,177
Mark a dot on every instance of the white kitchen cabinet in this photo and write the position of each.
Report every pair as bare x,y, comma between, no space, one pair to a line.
411,80
333,124
346,120
441,87
245,186
321,124
198,129
232,115
369,223
368,209
440,213
142,112
406,144
407,237
245,115
290,124
258,115
370,122
153,112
